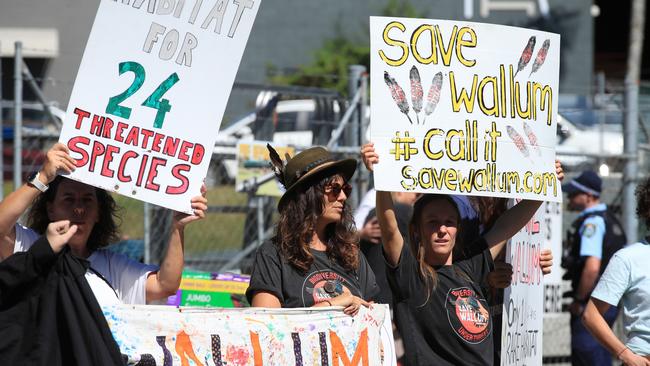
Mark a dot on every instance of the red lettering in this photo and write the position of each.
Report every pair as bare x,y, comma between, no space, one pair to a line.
73,146
197,156
183,153
81,115
177,173
96,125
155,145
120,170
118,131
171,145
106,130
143,165
132,137
153,172
110,150
145,139
98,149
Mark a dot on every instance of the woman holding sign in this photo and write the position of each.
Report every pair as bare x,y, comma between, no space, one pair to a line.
449,314
113,277
314,257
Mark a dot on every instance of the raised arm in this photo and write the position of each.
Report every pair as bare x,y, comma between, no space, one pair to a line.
390,234
514,219
166,281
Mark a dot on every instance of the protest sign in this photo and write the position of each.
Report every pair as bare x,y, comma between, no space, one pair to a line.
211,289
551,221
150,93
165,335
464,108
523,306
253,162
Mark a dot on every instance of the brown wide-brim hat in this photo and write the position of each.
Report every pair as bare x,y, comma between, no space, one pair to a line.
309,164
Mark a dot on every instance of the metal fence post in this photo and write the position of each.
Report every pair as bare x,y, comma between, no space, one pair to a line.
356,73
18,115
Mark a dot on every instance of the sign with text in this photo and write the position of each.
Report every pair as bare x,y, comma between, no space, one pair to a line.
253,162
523,303
551,221
150,93
464,108
157,335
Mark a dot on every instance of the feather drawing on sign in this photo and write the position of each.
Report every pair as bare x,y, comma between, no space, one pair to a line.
433,97
532,138
416,91
526,55
518,140
398,95
541,56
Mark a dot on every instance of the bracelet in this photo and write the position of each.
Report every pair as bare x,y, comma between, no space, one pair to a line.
328,302
618,355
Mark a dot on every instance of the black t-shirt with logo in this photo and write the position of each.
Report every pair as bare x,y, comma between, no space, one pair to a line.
324,280
453,326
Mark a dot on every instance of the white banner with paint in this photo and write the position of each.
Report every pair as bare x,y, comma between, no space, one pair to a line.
464,108
524,300
150,93
236,337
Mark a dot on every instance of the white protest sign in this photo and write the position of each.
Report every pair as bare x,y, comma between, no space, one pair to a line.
523,304
150,93
551,221
464,108
156,335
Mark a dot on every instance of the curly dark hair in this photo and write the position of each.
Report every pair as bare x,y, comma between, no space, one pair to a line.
643,202
297,222
105,230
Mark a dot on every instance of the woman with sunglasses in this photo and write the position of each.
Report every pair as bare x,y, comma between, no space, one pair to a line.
314,258
449,316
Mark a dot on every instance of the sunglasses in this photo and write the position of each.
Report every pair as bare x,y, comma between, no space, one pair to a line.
335,189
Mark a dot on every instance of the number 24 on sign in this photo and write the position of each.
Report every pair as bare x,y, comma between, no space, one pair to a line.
153,101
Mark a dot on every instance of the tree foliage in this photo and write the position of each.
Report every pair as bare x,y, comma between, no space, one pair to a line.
329,68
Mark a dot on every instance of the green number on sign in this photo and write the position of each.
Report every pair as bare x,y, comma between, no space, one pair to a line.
113,107
153,101
162,105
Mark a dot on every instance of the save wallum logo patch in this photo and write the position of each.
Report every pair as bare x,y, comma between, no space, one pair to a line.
468,315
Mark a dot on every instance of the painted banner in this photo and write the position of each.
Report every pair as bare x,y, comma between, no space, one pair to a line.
523,305
150,93
464,108
162,335
253,162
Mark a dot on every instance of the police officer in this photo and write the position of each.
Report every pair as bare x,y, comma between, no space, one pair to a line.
585,262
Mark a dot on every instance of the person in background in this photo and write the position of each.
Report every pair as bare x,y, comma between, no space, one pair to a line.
626,280
588,255
422,274
314,258
113,277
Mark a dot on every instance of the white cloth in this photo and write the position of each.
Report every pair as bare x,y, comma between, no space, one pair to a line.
126,278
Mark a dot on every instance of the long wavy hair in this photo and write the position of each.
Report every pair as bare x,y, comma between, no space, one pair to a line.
297,223
426,271
104,232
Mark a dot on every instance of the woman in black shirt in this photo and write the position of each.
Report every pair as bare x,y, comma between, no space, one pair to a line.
314,257
444,304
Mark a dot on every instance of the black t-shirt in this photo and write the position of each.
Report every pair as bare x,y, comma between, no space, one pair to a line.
294,289
453,326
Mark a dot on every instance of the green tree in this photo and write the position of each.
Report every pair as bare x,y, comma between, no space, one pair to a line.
329,69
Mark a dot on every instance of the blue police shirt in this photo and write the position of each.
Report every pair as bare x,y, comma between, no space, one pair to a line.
592,233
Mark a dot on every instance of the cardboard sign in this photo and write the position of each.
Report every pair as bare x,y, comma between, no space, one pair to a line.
551,221
211,289
237,337
253,162
523,306
464,108
150,93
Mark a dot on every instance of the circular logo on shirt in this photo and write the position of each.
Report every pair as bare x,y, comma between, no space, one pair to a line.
468,315
323,285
